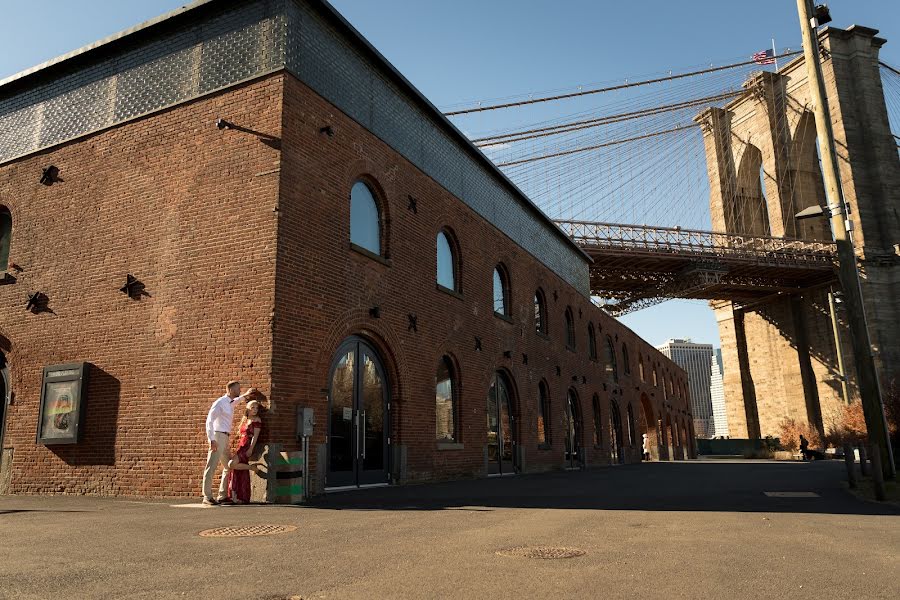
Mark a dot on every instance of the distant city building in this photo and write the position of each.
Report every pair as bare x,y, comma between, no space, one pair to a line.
696,359
717,393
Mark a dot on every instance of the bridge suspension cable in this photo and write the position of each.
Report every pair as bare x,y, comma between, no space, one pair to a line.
594,147
608,88
529,134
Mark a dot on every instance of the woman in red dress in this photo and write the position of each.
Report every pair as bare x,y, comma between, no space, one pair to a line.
251,425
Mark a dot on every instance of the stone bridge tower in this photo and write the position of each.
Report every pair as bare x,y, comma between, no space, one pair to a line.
779,354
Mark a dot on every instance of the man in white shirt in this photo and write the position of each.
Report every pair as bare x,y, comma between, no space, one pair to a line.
218,427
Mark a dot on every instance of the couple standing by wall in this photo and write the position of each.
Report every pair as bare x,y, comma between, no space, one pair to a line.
235,482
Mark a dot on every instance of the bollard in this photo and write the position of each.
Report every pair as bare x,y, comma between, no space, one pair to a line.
848,460
877,475
863,461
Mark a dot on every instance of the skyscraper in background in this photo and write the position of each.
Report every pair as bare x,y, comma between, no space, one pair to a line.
717,394
696,359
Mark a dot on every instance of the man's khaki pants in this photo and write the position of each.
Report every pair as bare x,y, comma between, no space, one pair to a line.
220,455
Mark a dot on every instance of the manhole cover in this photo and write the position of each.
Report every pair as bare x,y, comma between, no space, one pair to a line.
546,552
247,531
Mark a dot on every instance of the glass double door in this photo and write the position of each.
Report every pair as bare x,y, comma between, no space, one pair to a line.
501,441
573,432
358,416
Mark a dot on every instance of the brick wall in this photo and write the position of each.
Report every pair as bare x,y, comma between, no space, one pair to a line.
188,210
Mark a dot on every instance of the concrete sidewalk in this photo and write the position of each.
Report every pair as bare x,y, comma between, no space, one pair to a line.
674,530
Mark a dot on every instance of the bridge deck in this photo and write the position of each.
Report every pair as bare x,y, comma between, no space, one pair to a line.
639,265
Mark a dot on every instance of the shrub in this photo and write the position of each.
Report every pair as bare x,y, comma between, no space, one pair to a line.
790,431
848,428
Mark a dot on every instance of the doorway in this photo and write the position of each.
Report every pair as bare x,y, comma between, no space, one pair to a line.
573,431
501,439
616,448
358,418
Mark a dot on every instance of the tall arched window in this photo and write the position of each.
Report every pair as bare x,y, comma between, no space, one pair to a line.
592,342
570,329
616,442
641,371
612,369
626,364
543,415
445,402
598,423
447,262
5,236
501,291
632,434
540,312
365,218
655,378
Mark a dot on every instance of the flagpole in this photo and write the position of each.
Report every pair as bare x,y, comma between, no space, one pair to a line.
775,54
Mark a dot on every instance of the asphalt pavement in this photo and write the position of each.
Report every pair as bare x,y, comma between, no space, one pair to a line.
725,528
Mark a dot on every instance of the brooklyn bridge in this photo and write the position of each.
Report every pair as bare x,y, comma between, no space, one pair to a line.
688,185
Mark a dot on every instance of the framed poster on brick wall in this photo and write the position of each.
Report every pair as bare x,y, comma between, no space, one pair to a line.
62,404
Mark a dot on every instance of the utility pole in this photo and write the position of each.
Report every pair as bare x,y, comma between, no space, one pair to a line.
841,226
839,349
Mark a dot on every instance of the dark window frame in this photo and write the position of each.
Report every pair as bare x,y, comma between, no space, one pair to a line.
570,329
592,342
380,209
455,260
543,413
540,312
447,361
501,270
5,237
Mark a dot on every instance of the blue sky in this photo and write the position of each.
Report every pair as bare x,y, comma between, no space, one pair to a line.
465,50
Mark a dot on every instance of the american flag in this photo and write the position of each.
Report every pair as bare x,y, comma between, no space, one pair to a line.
764,57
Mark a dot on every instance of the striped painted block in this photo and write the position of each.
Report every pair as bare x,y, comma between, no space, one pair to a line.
288,468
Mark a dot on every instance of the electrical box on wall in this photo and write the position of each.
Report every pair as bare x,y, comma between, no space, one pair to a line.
305,421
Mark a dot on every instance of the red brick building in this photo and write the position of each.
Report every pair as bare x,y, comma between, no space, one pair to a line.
333,241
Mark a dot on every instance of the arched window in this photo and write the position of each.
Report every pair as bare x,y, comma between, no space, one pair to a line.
501,291
592,342
641,371
365,218
5,236
501,433
598,422
543,415
612,369
570,329
632,434
615,433
626,364
447,262
445,402
655,379
540,312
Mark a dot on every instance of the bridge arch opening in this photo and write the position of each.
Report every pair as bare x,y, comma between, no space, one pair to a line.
748,212
807,185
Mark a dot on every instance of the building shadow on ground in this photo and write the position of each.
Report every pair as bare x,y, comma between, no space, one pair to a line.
720,486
